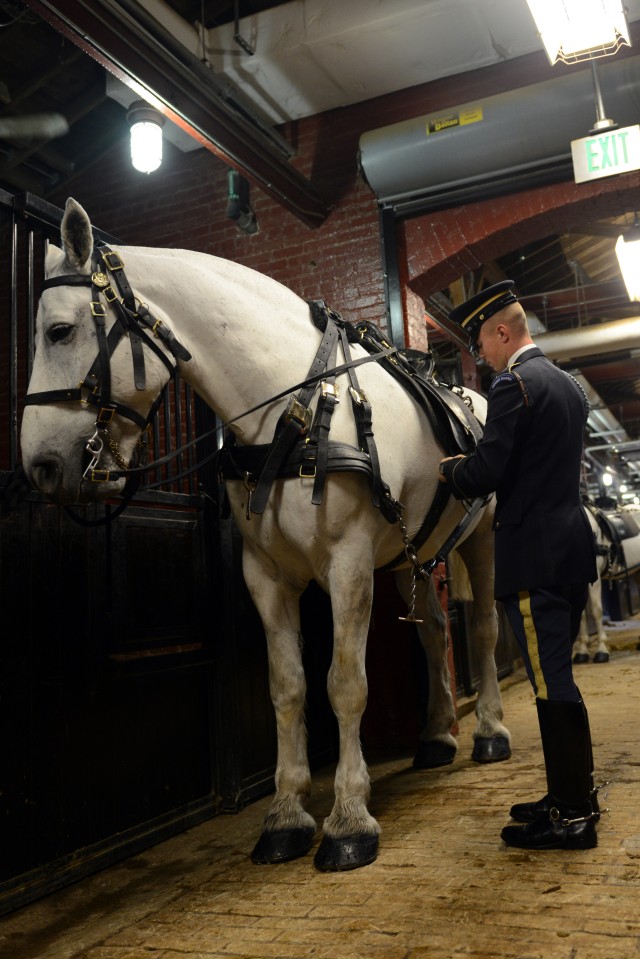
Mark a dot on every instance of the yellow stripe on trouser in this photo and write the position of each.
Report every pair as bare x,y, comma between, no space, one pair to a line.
524,602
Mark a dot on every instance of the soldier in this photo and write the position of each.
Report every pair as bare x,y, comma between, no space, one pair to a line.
530,456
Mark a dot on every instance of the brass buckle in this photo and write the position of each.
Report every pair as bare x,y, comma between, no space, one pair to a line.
358,396
330,389
311,467
117,260
100,476
98,309
299,414
105,415
110,294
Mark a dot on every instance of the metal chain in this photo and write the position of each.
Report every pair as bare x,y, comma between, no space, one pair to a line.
412,556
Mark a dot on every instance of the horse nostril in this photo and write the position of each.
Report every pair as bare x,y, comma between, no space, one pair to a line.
46,474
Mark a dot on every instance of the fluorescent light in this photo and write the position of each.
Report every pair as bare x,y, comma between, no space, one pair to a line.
146,136
628,253
575,30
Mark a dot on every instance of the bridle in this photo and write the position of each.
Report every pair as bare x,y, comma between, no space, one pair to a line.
132,319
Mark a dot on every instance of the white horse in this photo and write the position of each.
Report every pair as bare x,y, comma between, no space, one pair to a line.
240,338
584,646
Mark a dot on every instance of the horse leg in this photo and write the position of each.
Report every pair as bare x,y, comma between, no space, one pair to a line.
492,740
581,644
287,829
350,833
436,743
595,598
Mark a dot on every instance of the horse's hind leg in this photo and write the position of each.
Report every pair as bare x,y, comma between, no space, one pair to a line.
350,833
492,740
288,829
436,745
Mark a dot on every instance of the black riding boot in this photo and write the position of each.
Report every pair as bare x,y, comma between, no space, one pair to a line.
569,822
528,811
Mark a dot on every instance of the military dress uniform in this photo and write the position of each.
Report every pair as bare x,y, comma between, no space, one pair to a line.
530,456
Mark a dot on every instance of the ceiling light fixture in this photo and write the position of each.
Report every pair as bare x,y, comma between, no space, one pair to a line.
577,30
628,254
146,136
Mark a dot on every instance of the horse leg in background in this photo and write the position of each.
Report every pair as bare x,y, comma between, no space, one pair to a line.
581,644
350,833
287,829
492,740
601,654
436,745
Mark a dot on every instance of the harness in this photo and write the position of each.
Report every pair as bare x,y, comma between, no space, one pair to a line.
301,444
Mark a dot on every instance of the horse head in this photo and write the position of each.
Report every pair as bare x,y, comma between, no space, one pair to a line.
97,372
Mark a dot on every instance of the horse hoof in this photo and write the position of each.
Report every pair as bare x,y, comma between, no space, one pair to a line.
345,852
433,754
581,658
491,749
281,845
601,657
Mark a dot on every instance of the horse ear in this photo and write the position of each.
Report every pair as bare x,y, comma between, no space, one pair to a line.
53,259
77,236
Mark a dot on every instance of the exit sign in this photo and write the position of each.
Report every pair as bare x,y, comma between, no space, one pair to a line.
606,153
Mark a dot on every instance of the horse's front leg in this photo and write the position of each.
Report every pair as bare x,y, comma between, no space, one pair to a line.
287,829
350,833
436,745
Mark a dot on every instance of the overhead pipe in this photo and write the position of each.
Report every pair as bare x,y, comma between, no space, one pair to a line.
583,341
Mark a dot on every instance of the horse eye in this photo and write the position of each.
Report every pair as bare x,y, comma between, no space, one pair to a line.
59,333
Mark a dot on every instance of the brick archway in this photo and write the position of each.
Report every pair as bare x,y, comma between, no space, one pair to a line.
442,246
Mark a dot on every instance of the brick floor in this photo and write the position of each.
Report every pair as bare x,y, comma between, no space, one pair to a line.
443,886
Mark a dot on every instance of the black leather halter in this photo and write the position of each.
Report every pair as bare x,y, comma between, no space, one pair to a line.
132,318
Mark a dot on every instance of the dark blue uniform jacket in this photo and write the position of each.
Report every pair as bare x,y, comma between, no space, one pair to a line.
530,455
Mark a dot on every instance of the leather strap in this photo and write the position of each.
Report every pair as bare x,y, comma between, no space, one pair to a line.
290,425
322,424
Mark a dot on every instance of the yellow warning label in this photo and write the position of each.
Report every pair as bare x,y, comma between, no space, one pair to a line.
461,119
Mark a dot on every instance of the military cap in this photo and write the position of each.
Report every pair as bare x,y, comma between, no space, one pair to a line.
473,312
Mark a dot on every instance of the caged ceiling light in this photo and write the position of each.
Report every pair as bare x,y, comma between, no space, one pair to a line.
577,30
146,136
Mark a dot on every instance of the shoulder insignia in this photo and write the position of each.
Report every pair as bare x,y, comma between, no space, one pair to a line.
505,377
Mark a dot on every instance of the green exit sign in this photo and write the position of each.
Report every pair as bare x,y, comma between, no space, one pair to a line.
606,153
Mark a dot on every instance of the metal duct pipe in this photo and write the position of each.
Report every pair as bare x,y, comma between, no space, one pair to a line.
486,140
583,341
